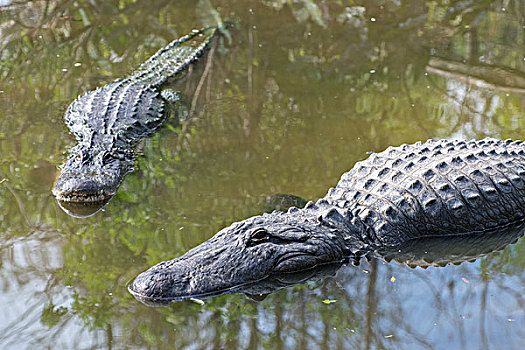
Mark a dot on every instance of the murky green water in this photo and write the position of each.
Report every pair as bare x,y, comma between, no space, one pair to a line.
301,92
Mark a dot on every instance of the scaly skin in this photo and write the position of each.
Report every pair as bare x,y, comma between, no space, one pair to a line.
108,121
404,197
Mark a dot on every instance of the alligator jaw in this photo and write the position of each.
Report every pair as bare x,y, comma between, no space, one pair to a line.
254,290
82,189
81,201
83,197
136,289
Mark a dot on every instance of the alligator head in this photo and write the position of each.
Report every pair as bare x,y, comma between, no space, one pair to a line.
89,179
241,254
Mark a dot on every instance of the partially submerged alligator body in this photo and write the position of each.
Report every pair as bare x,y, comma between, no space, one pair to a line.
394,204
108,121
419,252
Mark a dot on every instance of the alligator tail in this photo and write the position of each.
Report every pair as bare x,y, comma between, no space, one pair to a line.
174,57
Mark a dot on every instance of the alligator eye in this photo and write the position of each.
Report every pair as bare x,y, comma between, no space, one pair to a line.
260,234
107,156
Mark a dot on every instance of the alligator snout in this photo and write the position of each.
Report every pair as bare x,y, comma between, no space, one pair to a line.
81,197
80,190
166,282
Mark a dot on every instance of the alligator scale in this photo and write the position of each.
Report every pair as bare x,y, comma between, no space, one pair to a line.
402,200
108,121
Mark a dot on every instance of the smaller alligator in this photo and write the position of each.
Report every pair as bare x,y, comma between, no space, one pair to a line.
404,203
108,121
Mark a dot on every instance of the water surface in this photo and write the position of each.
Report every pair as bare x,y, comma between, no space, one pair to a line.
299,93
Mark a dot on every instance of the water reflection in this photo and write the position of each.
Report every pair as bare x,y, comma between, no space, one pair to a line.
82,209
441,251
484,76
303,92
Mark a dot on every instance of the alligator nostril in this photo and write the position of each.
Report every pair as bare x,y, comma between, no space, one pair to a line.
85,187
78,186
346,251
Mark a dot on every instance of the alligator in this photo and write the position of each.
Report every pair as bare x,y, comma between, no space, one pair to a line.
398,200
109,121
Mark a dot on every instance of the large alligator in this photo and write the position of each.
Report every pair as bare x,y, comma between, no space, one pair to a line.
402,200
108,121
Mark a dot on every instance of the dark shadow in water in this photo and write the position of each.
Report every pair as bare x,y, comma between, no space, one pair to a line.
425,252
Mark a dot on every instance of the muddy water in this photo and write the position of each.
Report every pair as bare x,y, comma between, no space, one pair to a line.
298,93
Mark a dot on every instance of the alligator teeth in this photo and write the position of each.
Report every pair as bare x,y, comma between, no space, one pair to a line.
84,198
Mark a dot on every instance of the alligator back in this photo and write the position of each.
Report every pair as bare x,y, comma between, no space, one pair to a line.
434,189
120,113
115,115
